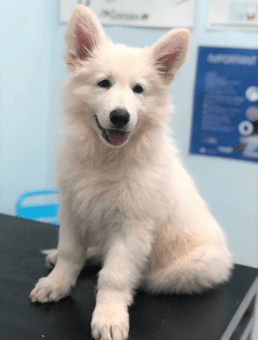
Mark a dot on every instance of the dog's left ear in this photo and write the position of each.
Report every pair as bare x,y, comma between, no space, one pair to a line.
170,52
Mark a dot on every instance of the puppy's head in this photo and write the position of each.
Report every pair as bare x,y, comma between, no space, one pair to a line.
118,93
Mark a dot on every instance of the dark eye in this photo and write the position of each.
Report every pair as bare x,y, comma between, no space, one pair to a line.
138,89
104,83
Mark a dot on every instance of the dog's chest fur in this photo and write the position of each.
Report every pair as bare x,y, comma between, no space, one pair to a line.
108,194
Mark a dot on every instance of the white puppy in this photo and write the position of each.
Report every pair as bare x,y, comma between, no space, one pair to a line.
125,195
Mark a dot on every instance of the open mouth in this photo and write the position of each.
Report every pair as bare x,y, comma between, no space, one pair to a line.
112,136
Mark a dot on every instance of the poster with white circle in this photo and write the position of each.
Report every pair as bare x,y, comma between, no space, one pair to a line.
225,113
140,13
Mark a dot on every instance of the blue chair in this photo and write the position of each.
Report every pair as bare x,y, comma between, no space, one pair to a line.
42,212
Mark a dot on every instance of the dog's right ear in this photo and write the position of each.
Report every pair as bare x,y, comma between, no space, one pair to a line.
84,32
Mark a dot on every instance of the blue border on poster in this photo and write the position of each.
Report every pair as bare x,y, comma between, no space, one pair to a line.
225,112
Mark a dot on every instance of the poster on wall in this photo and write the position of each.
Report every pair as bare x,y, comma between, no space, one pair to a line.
138,13
241,15
225,111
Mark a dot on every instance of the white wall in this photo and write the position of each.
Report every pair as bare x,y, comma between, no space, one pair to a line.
25,39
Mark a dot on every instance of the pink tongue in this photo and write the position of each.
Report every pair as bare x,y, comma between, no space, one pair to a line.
116,140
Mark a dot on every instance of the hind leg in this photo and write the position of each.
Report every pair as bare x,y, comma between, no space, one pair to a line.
52,255
202,268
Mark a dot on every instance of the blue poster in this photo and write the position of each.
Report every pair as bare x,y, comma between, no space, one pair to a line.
225,117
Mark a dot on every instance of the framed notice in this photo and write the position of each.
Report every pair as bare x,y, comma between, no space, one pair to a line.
233,15
138,13
225,112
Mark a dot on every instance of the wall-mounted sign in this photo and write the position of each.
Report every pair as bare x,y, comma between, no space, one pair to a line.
225,117
233,14
140,13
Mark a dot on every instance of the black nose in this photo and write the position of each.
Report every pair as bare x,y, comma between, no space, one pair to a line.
119,117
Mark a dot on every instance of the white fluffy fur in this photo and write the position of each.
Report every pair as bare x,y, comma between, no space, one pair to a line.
133,205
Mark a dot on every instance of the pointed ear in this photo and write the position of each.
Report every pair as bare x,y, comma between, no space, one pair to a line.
84,32
170,52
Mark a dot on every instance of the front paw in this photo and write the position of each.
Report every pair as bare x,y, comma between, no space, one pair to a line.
110,322
47,290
